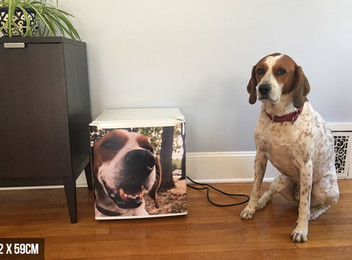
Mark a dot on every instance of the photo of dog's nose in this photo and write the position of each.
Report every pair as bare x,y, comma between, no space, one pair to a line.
264,89
140,161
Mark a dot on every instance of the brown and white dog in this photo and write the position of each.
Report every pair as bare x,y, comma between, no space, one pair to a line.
125,167
295,139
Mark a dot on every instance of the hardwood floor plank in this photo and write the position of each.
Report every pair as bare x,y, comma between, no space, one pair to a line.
207,232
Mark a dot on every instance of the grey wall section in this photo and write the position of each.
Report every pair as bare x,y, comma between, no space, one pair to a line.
197,55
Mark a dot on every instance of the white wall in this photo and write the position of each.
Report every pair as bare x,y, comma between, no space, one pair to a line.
197,55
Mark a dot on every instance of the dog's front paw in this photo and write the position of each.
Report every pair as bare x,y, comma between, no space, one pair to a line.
247,213
299,236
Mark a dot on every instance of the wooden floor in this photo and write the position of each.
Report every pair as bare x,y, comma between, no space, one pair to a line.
207,232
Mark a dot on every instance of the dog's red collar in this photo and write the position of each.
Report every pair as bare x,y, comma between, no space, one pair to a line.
291,117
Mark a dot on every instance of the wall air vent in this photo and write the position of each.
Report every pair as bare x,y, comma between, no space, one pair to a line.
343,149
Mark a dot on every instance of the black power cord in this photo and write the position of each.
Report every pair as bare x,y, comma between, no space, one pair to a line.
208,187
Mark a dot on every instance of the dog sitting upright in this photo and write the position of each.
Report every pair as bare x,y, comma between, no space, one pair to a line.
296,140
125,167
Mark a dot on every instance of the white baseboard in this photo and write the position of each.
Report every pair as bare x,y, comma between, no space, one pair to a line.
214,167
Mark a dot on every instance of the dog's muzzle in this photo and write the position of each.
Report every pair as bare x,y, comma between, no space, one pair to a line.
138,165
264,90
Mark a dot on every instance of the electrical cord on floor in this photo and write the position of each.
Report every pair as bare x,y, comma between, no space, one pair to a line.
208,187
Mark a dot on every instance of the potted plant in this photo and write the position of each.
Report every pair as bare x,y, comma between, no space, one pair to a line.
29,17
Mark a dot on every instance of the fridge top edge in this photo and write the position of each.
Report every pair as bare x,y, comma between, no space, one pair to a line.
138,117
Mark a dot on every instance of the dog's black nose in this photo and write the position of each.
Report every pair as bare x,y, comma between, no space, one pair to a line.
141,161
264,89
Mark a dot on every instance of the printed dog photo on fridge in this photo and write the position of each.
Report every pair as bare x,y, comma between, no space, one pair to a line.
139,172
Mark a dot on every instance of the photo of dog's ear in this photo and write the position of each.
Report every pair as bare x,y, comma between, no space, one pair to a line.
301,88
153,191
251,88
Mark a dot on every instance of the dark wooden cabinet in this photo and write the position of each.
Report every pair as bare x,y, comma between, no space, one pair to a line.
44,113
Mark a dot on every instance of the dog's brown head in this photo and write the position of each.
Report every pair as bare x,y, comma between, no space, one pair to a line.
125,167
277,75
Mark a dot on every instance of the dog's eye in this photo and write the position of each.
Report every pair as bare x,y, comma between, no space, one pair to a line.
260,71
109,145
281,72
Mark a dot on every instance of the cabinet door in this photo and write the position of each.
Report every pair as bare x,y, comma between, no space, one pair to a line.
33,112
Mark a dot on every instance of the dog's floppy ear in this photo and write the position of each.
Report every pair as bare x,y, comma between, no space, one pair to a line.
153,191
251,88
301,88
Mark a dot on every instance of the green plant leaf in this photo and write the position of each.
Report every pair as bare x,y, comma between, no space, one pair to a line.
50,17
26,16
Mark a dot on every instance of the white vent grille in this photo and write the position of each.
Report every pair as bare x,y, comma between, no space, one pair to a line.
343,149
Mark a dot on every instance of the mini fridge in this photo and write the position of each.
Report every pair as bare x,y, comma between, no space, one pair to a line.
139,162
